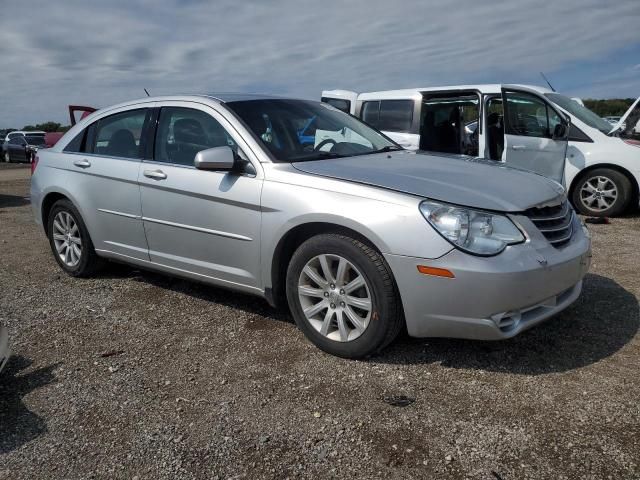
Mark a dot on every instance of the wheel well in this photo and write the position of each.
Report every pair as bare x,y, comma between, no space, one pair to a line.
289,243
47,204
634,183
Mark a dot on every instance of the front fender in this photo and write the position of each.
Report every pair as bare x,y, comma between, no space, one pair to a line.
390,221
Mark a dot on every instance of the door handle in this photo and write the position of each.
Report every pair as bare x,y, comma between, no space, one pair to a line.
82,163
155,174
518,147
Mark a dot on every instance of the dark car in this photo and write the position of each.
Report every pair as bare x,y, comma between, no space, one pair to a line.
20,148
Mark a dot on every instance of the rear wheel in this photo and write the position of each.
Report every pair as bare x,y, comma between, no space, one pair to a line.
70,241
7,157
602,192
342,296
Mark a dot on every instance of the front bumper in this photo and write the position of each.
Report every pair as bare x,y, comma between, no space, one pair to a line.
4,347
492,298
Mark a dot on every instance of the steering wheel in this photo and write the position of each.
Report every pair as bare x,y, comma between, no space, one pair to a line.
324,142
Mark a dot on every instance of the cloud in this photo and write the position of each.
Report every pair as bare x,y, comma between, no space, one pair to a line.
102,53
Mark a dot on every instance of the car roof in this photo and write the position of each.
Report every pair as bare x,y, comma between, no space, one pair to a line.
483,88
223,97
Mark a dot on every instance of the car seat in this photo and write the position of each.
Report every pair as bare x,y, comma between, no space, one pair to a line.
122,144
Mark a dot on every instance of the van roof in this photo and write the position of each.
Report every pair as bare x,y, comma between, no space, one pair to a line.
418,91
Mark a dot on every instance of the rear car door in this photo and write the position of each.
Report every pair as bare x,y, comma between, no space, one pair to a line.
535,134
105,159
200,221
17,149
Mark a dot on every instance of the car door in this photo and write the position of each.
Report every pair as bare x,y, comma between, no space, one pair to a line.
17,149
201,221
104,159
535,134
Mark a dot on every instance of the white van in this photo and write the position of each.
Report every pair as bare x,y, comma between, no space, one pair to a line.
601,172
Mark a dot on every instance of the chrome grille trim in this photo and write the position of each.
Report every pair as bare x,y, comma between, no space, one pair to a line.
555,223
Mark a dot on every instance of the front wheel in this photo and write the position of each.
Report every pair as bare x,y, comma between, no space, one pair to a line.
342,296
602,192
7,157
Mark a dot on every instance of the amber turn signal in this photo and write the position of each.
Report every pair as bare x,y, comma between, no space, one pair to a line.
437,272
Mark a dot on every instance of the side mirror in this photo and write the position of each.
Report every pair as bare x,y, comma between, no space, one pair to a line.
217,158
560,131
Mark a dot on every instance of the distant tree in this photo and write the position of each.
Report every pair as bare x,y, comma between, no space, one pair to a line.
610,107
47,127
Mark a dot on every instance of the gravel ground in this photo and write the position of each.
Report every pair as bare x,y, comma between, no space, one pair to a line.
136,375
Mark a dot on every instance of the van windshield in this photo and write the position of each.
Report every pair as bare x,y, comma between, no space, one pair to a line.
300,130
580,112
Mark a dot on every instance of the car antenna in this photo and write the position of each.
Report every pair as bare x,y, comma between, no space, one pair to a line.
548,82
145,91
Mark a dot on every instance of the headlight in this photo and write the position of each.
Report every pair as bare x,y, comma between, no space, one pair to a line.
477,232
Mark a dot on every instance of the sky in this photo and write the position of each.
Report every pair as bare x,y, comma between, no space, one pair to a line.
99,53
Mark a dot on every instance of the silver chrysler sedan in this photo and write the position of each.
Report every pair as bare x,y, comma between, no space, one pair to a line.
305,205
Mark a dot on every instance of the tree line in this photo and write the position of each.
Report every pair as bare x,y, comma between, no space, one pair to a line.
614,107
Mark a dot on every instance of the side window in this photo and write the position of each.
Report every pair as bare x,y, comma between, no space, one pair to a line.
119,135
370,113
529,116
183,132
77,144
339,103
395,115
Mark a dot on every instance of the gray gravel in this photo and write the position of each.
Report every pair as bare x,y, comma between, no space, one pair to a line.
136,375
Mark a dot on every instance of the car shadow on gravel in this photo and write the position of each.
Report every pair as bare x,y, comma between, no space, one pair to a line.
19,425
12,200
242,301
601,322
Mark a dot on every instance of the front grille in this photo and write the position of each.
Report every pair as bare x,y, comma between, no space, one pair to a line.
555,223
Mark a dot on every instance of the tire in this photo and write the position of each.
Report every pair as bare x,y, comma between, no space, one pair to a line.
87,262
7,157
599,181
382,322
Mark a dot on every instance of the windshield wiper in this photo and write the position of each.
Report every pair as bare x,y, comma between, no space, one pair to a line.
321,155
388,148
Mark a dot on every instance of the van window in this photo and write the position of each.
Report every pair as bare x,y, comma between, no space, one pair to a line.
449,123
529,116
370,112
119,135
339,103
395,115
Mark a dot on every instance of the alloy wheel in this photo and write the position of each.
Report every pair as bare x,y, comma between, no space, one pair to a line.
67,240
335,297
598,193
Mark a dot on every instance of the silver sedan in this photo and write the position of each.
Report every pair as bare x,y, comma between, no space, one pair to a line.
308,207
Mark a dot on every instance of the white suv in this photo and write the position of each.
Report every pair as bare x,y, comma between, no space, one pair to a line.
601,172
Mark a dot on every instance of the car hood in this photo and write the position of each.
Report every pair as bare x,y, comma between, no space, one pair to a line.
456,179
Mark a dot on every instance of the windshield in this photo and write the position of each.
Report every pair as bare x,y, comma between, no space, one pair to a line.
300,130
582,113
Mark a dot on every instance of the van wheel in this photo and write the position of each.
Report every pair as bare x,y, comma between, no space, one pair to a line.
342,296
70,241
602,192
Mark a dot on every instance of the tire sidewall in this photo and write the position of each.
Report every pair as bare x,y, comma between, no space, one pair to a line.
374,335
619,180
67,206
